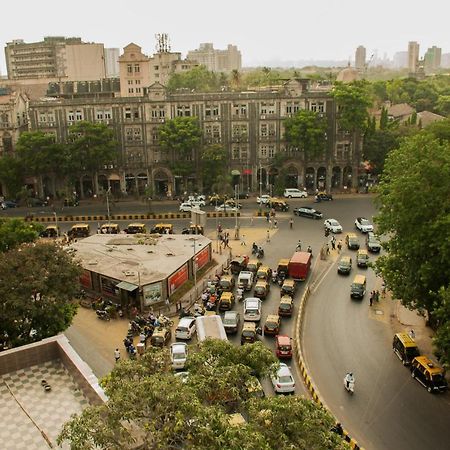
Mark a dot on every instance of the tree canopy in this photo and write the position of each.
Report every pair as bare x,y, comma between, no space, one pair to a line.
414,201
306,131
38,282
198,79
149,405
14,232
214,163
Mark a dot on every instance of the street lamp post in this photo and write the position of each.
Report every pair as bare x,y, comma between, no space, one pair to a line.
107,204
56,224
236,196
260,187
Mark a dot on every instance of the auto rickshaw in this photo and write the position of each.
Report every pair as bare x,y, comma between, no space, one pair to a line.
162,228
282,268
110,228
160,336
238,263
226,301
278,205
135,228
262,288
272,324
253,265
249,333
264,273
288,288
286,306
226,282
51,231
193,229
79,230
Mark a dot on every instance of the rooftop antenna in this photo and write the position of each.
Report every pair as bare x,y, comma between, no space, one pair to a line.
162,43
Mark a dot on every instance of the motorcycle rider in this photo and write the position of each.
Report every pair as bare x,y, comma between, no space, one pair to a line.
309,250
254,248
349,380
239,294
299,246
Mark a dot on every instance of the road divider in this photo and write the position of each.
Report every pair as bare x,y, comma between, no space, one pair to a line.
304,370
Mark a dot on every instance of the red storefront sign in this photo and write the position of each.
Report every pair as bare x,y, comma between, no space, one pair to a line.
85,279
177,278
247,172
201,258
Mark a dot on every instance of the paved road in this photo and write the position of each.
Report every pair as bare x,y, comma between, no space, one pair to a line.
389,409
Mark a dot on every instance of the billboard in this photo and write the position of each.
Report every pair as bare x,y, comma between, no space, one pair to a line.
177,278
152,293
201,258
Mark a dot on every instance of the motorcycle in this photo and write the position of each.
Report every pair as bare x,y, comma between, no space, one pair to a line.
349,384
260,253
102,314
274,277
239,295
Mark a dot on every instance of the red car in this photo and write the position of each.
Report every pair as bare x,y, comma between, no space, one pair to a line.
283,347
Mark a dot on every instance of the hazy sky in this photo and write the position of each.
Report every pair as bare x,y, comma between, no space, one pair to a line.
262,29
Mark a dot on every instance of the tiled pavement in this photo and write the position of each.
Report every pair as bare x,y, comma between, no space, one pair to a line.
29,414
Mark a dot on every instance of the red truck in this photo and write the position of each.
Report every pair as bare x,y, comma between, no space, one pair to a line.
299,265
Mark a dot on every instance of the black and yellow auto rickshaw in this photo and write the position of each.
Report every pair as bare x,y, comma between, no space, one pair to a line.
264,273
253,265
288,288
136,228
238,263
193,229
51,231
110,228
282,268
278,204
162,228
262,289
79,230
226,301
226,282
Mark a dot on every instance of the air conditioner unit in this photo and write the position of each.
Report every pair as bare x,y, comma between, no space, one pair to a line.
217,118
162,120
263,116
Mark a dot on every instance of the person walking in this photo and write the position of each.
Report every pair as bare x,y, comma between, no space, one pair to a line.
275,223
116,354
291,223
268,236
371,299
411,334
339,246
377,295
333,243
243,240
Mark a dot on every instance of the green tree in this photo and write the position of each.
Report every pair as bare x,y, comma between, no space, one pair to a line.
11,175
14,232
92,146
149,405
384,119
306,131
440,130
443,105
214,165
41,155
37,285
442,317
198,79
414,201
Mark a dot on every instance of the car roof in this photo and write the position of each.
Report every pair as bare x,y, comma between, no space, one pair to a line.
286,299
248,326
231,313
345,258
273,317
359,279
252,300
406,340
283,339
184,320
226,294
289,282
261,282
263,268
426,362
284,369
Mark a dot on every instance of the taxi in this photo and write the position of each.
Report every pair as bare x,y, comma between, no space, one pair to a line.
429,374
264,273
226,301
79,230
160,336
288,288
162,228
283,265
136,228
262,289
110,228
253,265
227,282
272,324
249,333
286,306
51,231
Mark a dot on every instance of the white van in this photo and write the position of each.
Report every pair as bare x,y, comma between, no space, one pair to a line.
295,193
252,309
178,355
245,280
186,328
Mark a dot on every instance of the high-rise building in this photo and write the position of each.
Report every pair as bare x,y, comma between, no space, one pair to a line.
432,59
360,58
55,57
413,56
112,62
445,61
217,60
400,60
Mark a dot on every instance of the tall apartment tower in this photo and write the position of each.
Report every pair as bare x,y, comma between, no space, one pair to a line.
360,58
432,59
112,62
217,60
55,57
413,56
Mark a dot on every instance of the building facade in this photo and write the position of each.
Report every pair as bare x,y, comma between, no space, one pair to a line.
249,125
55,57
217,60
413,56
432,59
112,62
360,58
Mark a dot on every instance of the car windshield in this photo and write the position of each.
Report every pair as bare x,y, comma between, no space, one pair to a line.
179,355
285,306
247,333
288,288
271,324
333,222
285,379
356,286
345,263
225,283
229,321
438,378
365,222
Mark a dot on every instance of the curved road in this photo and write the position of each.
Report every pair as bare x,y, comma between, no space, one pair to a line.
389,409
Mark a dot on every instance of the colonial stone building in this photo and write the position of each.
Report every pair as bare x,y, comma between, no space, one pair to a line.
249,125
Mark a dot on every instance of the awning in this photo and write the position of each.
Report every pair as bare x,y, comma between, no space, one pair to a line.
235,172
113,177
127,286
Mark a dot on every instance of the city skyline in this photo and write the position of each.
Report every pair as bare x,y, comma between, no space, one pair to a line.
331,30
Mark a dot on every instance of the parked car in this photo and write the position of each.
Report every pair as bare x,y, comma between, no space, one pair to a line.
32,202
283,382
294,193
231,321
333,225
5,204
186,207
226,208
429,374
265,198
307,211
372,242
178,355
363,225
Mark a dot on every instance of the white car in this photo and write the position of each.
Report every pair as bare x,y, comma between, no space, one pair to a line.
333,225
188,207
252,309
197,203
186,328
295,193
283,382
178,355
264,199
363,225
226,208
